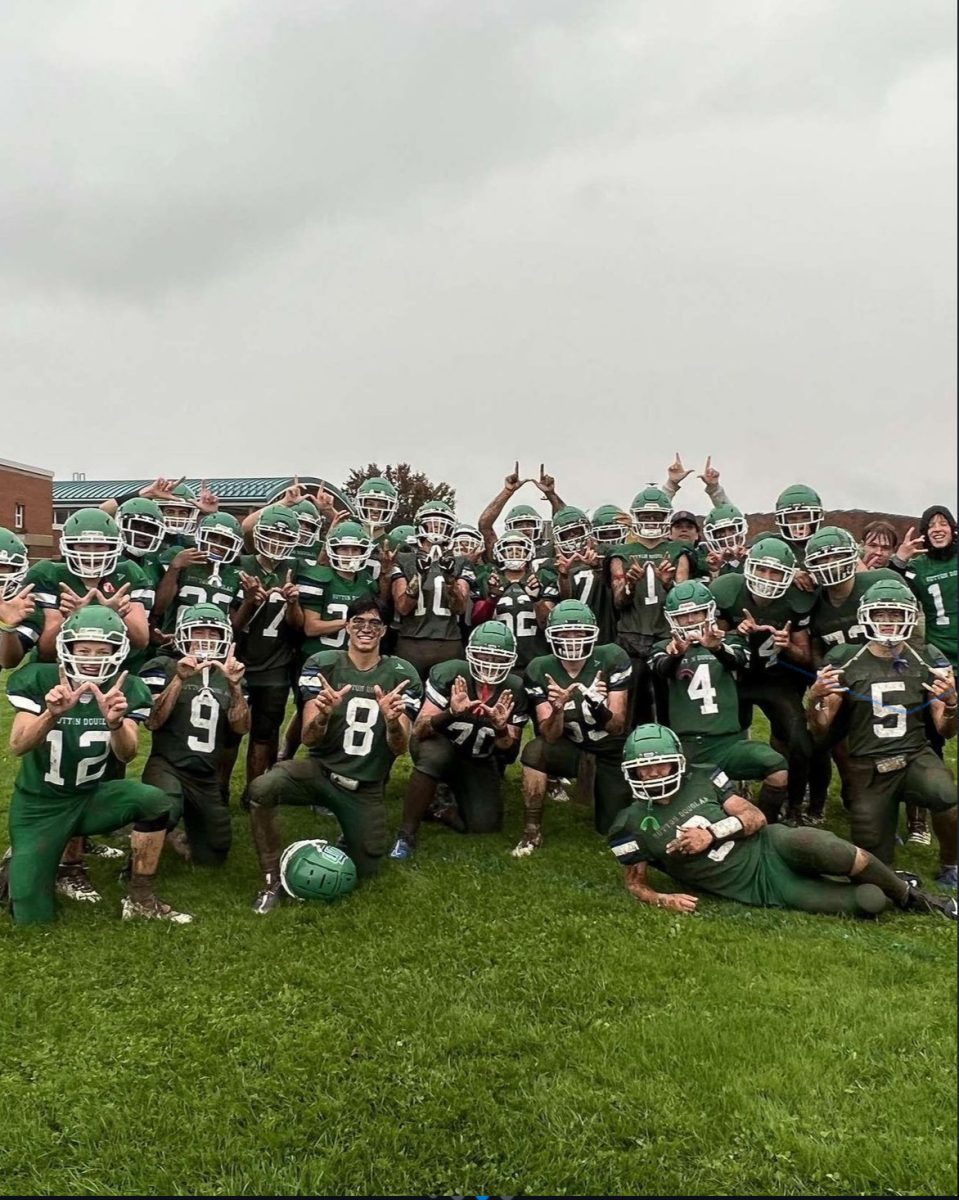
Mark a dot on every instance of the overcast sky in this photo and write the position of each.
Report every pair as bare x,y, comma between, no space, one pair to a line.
263,237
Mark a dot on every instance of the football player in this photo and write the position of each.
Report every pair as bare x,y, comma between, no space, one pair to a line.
472,709
523,518
799,515
641,575
266,624
357,719
204,573
199,714
522,597
76,722
676,473
579,697
430,591
700,662
772,616
20,623
882,687
376,502
725,532
689,823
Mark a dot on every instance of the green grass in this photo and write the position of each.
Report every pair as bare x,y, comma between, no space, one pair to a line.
469,1023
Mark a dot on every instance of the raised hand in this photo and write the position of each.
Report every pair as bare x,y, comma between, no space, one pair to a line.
459,697
558,696
392,704
112,704
70,601
714,560
710,475
677,646
289,591
498,716
230,668
804,581
188,665
18,607
328,697
782,637
665,570
943,686
207,502
413,587
533,585
252,588
161,488
293,494
676,472
513,482
119,600
828,683
545,483
63,696
911,545
494,586
636,571
587,557
597,690
748,625
191,557
324,502
712,637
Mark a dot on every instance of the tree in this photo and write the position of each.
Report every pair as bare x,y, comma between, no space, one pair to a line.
413,487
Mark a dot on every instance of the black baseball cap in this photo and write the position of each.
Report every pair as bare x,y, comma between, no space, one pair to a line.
684,515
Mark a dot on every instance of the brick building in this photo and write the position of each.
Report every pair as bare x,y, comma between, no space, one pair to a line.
26,506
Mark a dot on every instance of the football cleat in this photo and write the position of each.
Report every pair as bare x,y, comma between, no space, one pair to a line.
270,897
403,849
556,791
913,880
814,820
100,850
948,877
919,834
793,818
152,909
528,844
74,883
924,902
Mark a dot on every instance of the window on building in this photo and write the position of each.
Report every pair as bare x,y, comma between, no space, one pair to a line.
19,517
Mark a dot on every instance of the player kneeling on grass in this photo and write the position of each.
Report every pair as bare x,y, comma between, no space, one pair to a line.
76,723
879,692
472,708
199,701
690,824
579,695
356,720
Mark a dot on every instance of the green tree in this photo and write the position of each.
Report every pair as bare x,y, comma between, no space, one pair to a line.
413,487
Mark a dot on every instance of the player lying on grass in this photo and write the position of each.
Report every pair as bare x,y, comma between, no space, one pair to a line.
76,723
689,823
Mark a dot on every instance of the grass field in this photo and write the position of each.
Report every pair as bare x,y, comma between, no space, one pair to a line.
469,1023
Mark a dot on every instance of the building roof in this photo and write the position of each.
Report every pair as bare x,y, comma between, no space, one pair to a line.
253,490
19,466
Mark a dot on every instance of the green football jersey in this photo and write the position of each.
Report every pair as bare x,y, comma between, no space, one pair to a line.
644,614
355,744
733,869
579,724
201,585
29,630
884,709
703,692
266,643
837,624
76,755
473,737
732,596
325,591
196,732
432,617
47,576
934,582
151,565
591,585
516,608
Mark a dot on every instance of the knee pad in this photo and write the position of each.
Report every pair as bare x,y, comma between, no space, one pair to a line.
872,899
534,755
152,824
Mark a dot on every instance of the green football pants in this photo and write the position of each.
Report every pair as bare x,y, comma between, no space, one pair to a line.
206,817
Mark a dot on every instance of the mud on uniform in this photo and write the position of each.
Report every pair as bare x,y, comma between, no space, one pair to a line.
68,786
890,759
265,645
776,867
430,634
462,753
580,733
704,709
516,608
347,771
186,754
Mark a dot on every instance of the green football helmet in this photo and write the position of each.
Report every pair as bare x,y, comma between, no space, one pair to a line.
276,533
203,631
888,613
403,537
467,541
180,514
315,870
652,513
770,568
105,643
652,746
514,552
376,501
523,518
798,513
724,528
13,563
348,547
220,537
141,525
310,523
832,556
690,609
90,543
491,652
572,630
610,525
571,530
435,522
